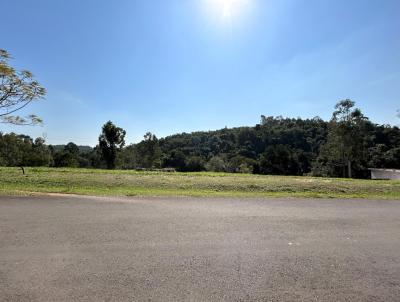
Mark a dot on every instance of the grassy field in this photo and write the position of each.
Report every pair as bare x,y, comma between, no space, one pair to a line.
133,183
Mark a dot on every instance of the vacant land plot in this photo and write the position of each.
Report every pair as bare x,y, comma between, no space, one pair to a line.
133,183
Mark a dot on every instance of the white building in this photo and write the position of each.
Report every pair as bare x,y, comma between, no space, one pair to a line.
385,174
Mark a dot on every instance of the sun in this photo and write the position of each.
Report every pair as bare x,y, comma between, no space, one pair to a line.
226,9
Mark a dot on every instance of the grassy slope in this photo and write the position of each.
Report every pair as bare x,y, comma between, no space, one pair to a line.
132,183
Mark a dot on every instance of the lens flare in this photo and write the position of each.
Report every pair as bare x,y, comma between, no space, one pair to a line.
226,9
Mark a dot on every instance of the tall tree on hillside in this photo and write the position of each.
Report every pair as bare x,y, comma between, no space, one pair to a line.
149,152
111,140
346,139
17,90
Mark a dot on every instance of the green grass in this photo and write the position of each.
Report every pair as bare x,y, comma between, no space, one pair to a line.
134,183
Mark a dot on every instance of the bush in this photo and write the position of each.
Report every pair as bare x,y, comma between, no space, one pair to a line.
216,164
194,164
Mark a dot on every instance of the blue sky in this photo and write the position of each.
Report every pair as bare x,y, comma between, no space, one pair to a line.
170,66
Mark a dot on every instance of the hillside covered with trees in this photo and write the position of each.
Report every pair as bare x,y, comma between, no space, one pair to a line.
345,146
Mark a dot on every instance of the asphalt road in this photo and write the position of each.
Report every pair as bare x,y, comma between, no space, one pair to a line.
168,249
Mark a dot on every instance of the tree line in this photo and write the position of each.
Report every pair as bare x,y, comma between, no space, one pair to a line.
345,146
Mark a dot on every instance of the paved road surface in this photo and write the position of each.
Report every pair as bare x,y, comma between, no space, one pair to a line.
106,249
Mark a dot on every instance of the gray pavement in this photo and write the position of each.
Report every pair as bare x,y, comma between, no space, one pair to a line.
59,248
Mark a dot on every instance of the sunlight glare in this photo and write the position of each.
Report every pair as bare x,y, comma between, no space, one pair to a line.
226,10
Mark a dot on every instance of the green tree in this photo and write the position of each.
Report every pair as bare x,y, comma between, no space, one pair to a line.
127,157
174,159
217,164
241,164
194,164
149,152
21,150
72,148
13,149
111,140
345,145
17,90
278,160
68,157
65,159
39,154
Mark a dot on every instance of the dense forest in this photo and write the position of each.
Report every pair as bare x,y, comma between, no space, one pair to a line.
345,146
